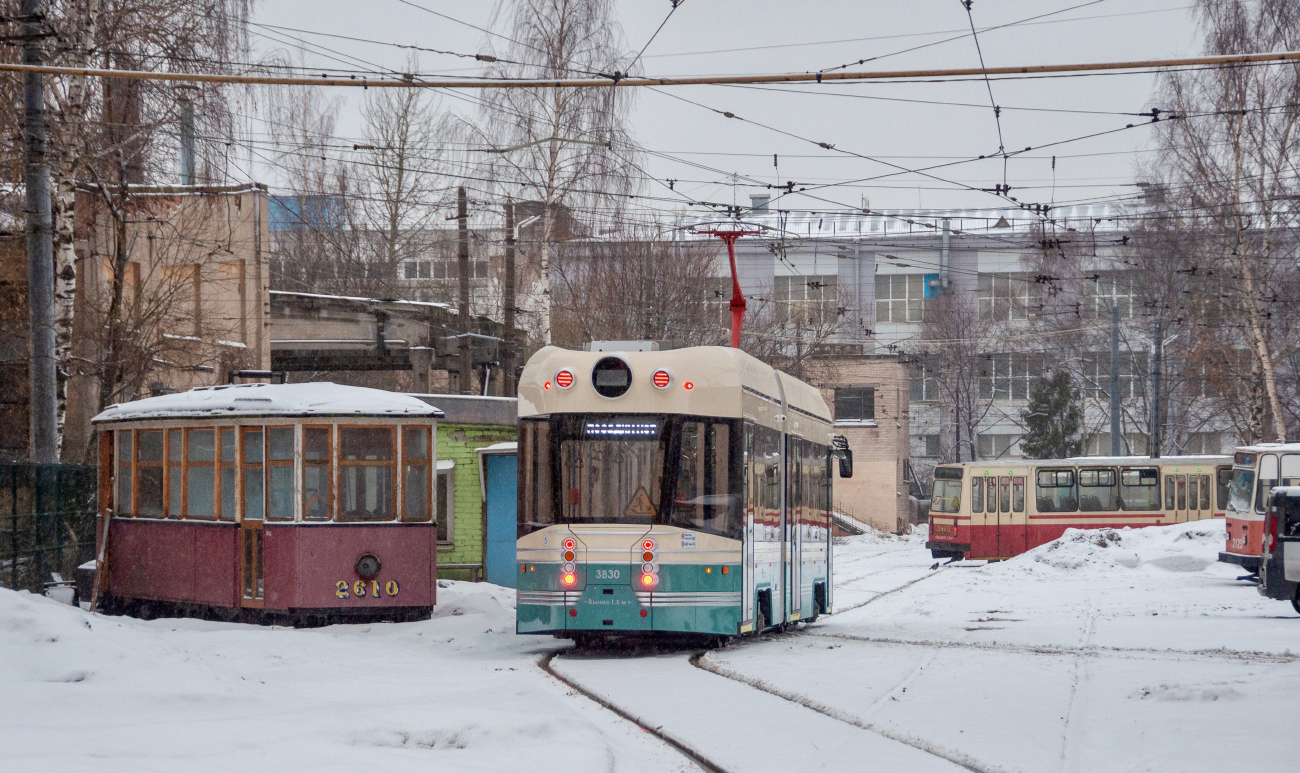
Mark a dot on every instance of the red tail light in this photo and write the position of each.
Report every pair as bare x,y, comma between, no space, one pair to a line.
564,379
569,544
569,579
1272,532
662,379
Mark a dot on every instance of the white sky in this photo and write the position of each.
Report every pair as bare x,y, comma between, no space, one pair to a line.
703,37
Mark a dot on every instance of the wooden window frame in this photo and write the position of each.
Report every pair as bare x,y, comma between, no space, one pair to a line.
169,464
430,463
392,464
118,510
214,464
330,464
243,465
291,463
135,474
450,472
219,466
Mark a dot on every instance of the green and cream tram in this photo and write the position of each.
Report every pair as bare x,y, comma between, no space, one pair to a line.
675,492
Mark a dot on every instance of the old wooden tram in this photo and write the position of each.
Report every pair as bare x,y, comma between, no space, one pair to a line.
670,492
290,503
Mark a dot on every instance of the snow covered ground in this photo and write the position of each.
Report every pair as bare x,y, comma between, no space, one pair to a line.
1130,650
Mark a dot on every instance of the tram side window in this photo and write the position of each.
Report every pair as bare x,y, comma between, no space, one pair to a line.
1223,479
947,490
316,503
279,460
366,477
254,476
149,474
1098,492
536,497
228,473
175,473
1205,492
1018,494
1139,488
704,498
415,474
767,481
125,454
200,473
1054,491
977,495
1170,493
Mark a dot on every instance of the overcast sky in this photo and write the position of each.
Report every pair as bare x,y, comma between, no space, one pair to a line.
875,120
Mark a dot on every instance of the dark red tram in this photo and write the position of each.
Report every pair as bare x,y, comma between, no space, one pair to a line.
301,504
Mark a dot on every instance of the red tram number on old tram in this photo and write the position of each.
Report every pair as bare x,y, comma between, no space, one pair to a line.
359,589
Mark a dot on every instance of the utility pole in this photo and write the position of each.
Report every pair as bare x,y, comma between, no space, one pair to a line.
508,300
465,340
1114,381
40,246
1155,391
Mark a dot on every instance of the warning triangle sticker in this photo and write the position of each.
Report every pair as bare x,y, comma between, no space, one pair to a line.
640,506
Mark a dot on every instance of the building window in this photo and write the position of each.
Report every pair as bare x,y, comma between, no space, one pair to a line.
445,499
1096,374
855,404
922,384
412,270
1130,445
1107,290
1197,443
1004,297
1009,376
899,297
806,300
930,444
997,446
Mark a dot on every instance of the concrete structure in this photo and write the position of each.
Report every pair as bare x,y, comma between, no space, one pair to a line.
470,423
869,399
194,299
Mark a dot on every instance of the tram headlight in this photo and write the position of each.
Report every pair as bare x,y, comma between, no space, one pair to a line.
648,580
569,568
569,579
569,544
648,568
647,544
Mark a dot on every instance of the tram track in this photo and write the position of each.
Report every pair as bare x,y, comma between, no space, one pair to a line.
686,750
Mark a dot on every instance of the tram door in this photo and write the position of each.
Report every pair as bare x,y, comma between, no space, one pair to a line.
252,512
1003,528
1012,526
794,516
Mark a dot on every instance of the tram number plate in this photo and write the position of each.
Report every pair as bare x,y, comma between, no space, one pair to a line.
944,530
363,588
607,574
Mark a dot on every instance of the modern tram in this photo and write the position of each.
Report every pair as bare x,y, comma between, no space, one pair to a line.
301,504
999,509
670,492
1255,471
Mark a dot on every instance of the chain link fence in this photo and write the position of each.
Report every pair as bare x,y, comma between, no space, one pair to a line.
47,522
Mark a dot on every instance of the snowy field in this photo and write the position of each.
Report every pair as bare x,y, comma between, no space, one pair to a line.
1113,651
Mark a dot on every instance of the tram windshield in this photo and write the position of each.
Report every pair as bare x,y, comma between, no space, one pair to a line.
636,468
1242,490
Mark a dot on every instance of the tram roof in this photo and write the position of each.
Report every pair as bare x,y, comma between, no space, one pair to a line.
719,375
287,400
1100,460
1270,448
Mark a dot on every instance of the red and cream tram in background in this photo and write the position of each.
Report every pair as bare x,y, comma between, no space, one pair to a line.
999,509
287,503
1255,470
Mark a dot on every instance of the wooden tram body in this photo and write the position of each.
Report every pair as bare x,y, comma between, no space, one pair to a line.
668,493
301,504
1255,471
999,509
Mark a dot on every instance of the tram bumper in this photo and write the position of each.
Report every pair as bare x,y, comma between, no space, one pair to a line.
1249,563
608,608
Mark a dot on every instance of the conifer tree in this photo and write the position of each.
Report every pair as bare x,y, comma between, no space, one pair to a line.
1052,419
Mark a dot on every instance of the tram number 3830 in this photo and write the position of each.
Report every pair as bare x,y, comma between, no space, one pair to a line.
607,574
360,589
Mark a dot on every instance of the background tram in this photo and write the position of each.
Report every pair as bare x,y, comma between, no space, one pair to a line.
997,510
1255,470
275,503
684,492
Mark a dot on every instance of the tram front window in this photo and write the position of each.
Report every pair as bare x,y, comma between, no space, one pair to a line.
611,468
1242,490
704,493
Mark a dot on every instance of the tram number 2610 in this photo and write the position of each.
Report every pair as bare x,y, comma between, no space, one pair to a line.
362,588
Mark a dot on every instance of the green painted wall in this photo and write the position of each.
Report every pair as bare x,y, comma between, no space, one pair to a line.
460,443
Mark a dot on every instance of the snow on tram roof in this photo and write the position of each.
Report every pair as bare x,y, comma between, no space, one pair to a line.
313,399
